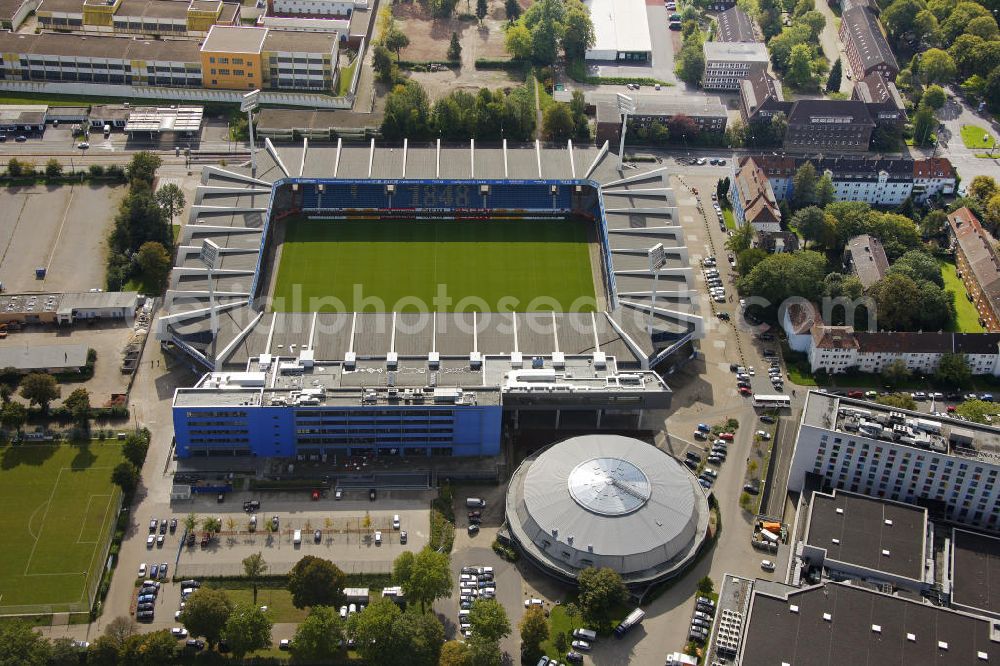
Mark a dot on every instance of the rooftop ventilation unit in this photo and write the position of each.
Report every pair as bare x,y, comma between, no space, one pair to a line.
516,360
475,360
390,189
793,608
888,521
911,637
943,645
392,359
840,511
350,360
877,628
434,359
885,552
484,190
827,617
558,360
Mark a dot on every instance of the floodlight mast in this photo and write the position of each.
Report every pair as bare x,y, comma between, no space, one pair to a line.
657,258
209,256
626,105
249,103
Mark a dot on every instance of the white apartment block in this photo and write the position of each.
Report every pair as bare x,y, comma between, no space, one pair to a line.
729,63
317,7
947,465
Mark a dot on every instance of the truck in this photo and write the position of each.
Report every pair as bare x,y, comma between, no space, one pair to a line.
633,618
681,659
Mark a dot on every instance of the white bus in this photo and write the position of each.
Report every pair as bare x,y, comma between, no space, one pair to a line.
772,401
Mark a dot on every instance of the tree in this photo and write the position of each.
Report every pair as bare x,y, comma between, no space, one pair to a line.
20,645
784,275
800,74
897,400
983,26
895,372
254,568
155,264
16,168
935,223
385,67
961,16
171,199
908,305
690,62
211,524
517,41
64,651
834,79
456,653
152,649
142,167
804,185
557,122
815,225
40,388
454,48
600,591
407,112
125,475
924,123
247,629
825,191
119,630
706,586
722,191
748,258
978,411
512,9
424,577
578,30
534,628
191,522
953,370
936,66
489,620
317,638
372,630
982,188
206,612
314,581
53,169
13,416
741,239
78,404
934,97
481,10
396,41
135,447
898,18
918,265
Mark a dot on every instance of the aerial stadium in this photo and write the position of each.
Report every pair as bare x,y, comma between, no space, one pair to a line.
421,300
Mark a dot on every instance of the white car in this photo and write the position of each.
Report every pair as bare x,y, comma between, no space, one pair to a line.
533,602
767,565
150,541
179,632
378,538
142,570
395,522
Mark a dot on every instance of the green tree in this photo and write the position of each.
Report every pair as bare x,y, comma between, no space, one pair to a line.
247,629
825,191
899,17
924,123
953,370
489,620
317,639
748,258
20,645
125,475
578,30
206,612
722,191
396,40
600,591
254,568
16,168
706,586
934,97
512,9
373,632
78,404
897,400
456,653
454,48
119,630
135,447
142,167
908,305
689,65
815,225
781,276
40,388
152,649
481,10
13,416
557,122
64,651
424,577
53,169
407,113
155,264
961,16
517,41
170,198
936,66
978,411
534,629
935,224
741,239
983,26
895,372
804,185
385,67
982,188
918,265
314,581
834,79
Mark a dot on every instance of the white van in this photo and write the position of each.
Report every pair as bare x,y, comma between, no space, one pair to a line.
585,634
297,538
475,502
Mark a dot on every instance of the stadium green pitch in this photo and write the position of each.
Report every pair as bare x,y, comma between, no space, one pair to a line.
494,265
57,509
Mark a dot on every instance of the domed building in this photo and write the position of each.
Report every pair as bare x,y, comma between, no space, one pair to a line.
607,501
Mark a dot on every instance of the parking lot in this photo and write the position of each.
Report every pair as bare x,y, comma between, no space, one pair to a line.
347,534
62,229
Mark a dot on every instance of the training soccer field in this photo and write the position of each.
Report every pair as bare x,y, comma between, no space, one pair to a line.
519,265
57,510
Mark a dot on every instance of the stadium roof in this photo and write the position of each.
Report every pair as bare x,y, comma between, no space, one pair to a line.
607,500
230,208
975,571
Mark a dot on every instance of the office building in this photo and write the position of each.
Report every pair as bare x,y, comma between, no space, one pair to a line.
319,8
882,99
817,126
708,113
729,63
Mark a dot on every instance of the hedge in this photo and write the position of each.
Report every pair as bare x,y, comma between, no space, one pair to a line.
500,63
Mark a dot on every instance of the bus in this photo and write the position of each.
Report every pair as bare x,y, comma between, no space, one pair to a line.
772,401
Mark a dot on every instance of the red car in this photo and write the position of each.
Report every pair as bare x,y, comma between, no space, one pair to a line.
745,391
855,394
728,436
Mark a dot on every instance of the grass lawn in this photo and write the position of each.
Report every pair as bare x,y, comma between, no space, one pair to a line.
545,99
727,215
278,600
966,315
491,265
562,622
57,510
346,76
974,136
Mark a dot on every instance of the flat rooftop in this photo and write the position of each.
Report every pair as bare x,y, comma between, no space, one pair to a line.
165,119
233,39
620,25
37,357
858,530
836,624
976,571
902,427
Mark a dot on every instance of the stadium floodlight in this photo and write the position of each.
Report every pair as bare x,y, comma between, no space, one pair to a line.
250,102
626,105
209,256
657,257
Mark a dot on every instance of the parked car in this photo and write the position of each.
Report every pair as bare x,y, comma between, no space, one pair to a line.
402,537
581,645
150,540
767,565
473,529
179,632
142,570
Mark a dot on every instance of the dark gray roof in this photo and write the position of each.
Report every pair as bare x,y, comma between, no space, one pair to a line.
806,111
929,343
868,259
734,25
976,571
855,530
866,33
865,628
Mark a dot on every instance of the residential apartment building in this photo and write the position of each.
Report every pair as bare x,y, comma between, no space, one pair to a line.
249,58
339,8
816,126
708,113
729,63
949,466
138,17
753,198
882,99
978,264
880,182
865,44
734,25
761,98
866,258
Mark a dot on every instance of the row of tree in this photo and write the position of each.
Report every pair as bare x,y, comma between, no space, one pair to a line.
548,27
794,48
